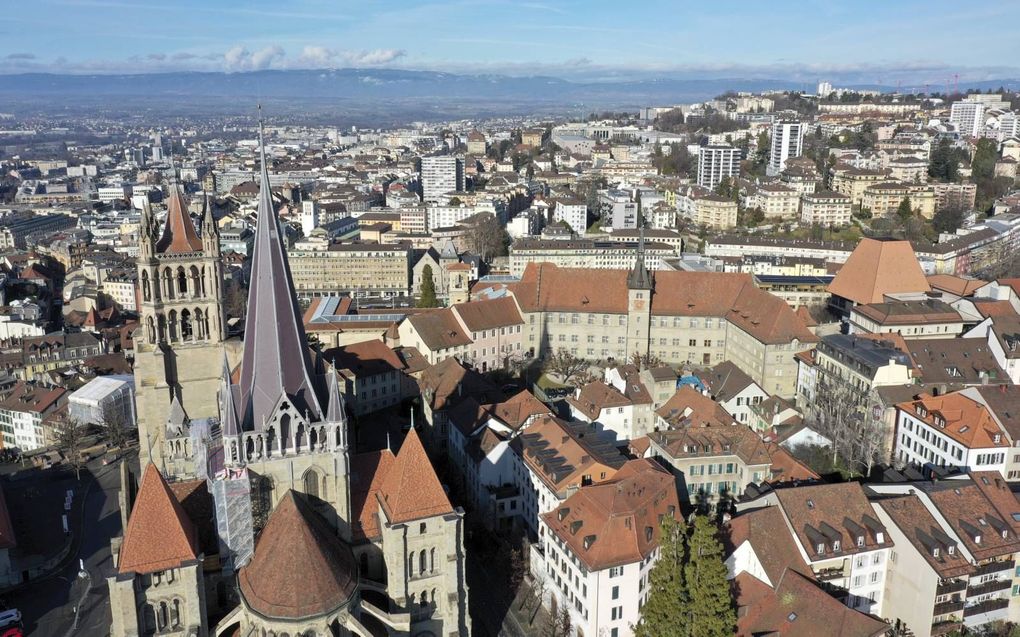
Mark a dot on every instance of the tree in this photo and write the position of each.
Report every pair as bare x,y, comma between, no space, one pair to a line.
708,591
565,625
488,237
905,210
565,365
667,610
70,439
114,427
945,162
427,293
948,219
518,569
235,299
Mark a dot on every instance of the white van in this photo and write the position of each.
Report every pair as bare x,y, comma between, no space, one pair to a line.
10,617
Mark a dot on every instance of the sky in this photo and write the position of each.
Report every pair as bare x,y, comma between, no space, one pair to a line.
862,41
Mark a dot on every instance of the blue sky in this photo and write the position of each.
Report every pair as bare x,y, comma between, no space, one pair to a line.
860,40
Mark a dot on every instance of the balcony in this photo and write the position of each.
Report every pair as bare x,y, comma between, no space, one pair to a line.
951,586
989,587
989,606
993,567
944,628
946,608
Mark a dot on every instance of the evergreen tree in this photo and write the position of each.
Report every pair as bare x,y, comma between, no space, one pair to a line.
427,297
665,614
708,591
905,210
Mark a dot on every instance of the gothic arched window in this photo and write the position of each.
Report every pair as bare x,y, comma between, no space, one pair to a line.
146,291
182,281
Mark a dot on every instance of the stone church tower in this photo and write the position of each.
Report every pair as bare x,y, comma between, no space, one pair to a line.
179,348
640,287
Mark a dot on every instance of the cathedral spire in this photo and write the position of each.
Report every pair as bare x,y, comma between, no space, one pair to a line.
276,364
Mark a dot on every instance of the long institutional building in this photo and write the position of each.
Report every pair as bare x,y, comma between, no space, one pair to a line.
700,318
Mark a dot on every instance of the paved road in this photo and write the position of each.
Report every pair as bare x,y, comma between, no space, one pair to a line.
47,606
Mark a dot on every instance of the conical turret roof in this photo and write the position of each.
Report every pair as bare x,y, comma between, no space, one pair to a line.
179,234
300,567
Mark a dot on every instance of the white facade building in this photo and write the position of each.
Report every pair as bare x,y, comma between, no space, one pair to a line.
440,175
787,138
717,162
968,117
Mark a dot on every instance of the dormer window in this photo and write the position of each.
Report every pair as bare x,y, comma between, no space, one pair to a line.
940,421
820,549
997,438
935,552
977,538
835,545
1005,534
880,537
588,541
952,549
860,541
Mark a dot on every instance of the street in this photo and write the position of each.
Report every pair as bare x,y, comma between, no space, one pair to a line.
47,605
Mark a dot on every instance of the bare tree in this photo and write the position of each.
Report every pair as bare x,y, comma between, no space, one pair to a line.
518,569
114,427
644,361
566,626
70,439
840,413
566,365
538,590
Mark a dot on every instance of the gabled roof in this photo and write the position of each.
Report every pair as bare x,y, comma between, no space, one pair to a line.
159,534
926,534
596,396
518,409
824,513
411,490
876,268
689,407
769,537
368,471
726,380
797,607
300,567
179,235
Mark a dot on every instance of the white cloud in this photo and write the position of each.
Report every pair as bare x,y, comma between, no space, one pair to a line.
239,58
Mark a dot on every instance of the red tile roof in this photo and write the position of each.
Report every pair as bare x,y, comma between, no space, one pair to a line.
300,567
411,490
159,534
368,470
617,521
876,268
179,235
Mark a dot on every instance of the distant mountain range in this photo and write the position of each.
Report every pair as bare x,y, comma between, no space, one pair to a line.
382,83
368,94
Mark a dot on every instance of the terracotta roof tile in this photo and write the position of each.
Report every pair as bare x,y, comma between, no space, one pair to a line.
488,314
876,268
617,521
159,534
368,470
411,490
300,567
179,235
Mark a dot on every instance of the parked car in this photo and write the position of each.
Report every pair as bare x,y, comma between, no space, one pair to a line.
10,618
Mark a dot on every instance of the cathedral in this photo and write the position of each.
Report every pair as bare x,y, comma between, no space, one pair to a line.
252,516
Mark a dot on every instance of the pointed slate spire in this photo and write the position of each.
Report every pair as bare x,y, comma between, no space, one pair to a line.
208,219
178,419
228,412
335,412
276,362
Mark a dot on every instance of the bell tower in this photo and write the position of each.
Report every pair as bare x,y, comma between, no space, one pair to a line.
179,348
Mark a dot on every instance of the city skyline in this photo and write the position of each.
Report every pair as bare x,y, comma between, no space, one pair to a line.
591,41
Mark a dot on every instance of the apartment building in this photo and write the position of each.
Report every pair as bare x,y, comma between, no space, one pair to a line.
826,208
58,350
734,390
597,558
121,285
921,318
852,182
623,413
951,430
441,175
776,201
715,212
908,168
554,458
370,373
968,117
354,269
885,198
570,211
22,414
839,537
717,162
487,334
585,253
787,142
956,543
